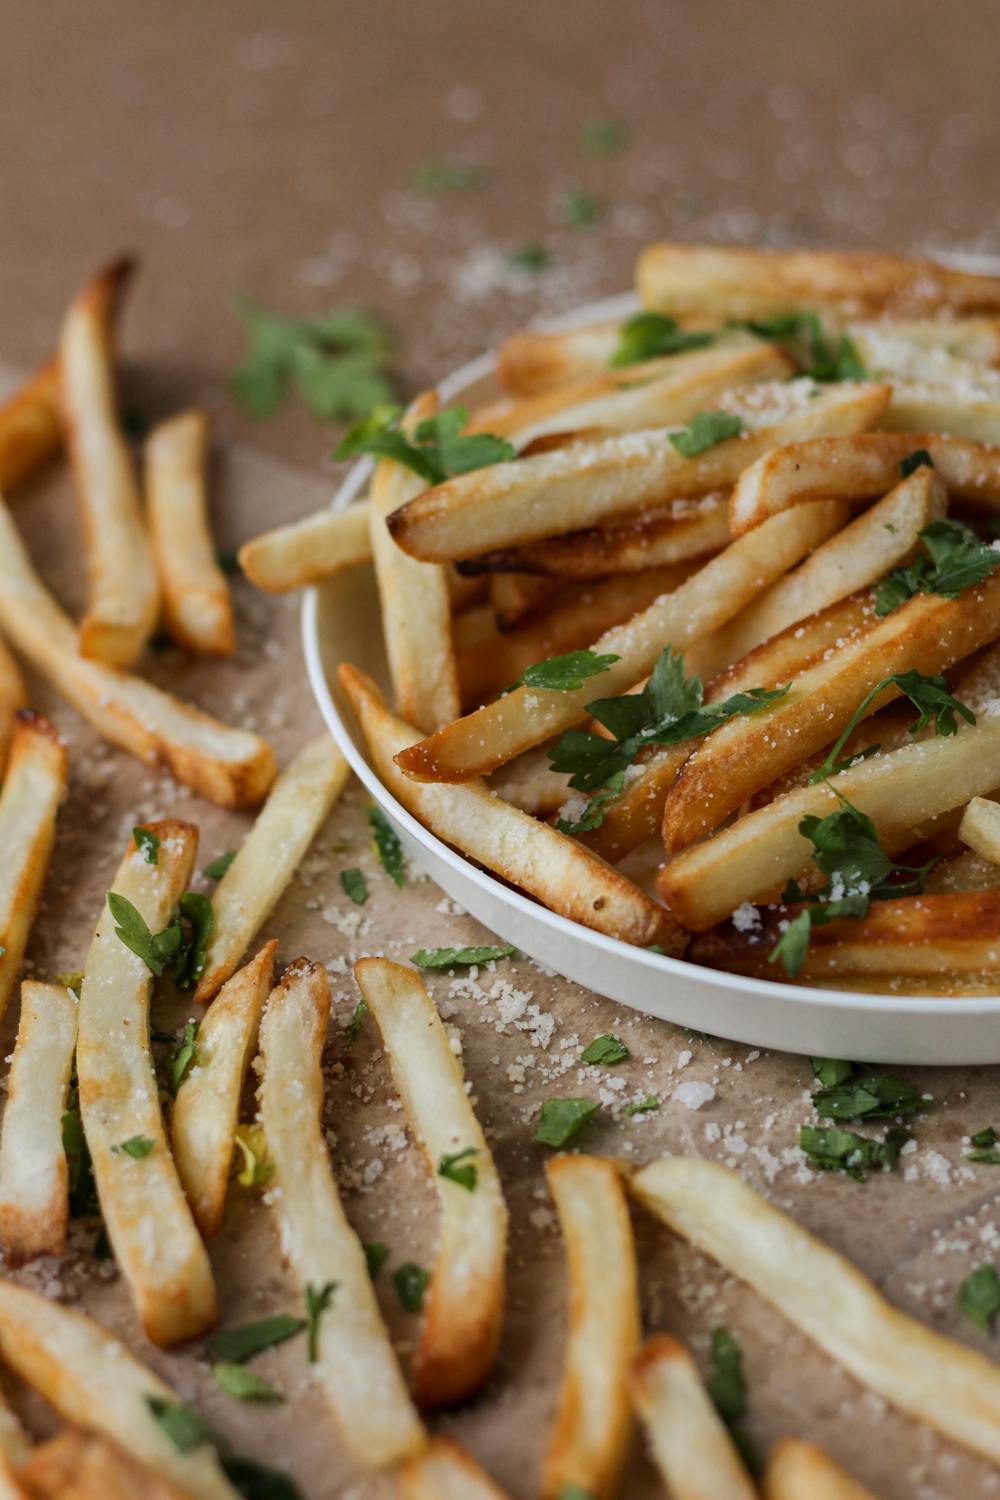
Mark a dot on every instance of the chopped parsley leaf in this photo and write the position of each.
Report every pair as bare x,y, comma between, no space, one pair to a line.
355,1023
579,207
705,430
387,845
979,1297
458,1168
564,674
453,958
928,694
652,335
244,1384
531,256
436,177
319,1299
643,1106
956,559
376,1255
354,885
605,1049
137,1146
182,1057
603,136
410,1282
438,449
237,1345
561,1119
877,1096
186,1428
832,1070
219,865
147,843
831,1149
913,461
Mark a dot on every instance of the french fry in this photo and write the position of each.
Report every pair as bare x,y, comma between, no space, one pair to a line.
976,340
444,1471
575,618
797,1470
510,504
197,609
207,1105
464,592
652,539
885,1349
15,1449
286,825
33,786
859,467
93,1381
83,1466
966,872
34,1195
593,1424
532,362
556,870
929,632
472,626
416,612
728,282
229,766
516,596
152,1233
13,696
124,595
525,717
693,1451
354,1364
980,828
464,1303
954,933
30,430
530,785
306,551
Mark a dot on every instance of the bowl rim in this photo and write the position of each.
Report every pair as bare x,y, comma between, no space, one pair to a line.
449,388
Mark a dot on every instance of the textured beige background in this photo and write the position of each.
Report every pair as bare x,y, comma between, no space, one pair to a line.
254,148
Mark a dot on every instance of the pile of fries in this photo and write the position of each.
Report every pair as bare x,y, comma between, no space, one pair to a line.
781,480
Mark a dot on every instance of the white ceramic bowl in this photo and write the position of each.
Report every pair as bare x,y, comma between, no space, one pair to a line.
340,622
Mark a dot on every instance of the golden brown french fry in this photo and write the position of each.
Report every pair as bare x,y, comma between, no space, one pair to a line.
593,1423
30,430
464,1303
885,1349
537,859
92,1380
531,362
229,766
124,594
444,1471
33,786
207,1105
966,872
652,539
13,696
526,716
84,1466
34,1195
980,828
575,617
510,504
515,596
797,1470
416,611
954,933
473,626
197,609
928,633
353,1360
756,855
464,592
729,282
859,467
693,1451
286,825
152,1233
303,552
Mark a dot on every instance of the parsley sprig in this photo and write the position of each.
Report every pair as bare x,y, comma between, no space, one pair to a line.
652,335
928,694
816,354
182,944
438,449
956,559
831,1149
336,362
564,674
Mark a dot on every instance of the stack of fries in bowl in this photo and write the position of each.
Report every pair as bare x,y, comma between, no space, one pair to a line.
708,586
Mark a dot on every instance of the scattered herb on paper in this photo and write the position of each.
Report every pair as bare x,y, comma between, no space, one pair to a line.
337,362
454,958
561,1119
605,1050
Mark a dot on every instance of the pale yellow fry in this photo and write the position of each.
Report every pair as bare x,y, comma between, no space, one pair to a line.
509,504
94,1382
303,552
593,1424
527,716
797,1470
548,865
33,786
197,609
729,282
693,1451
155,1242
30,429
124,594
980,828
286,825
761,851
34,1196
416,610
972,414
444,1471
229,766
890,341
13,696
207,1107
932,1378
530,362
356,1368
464,1303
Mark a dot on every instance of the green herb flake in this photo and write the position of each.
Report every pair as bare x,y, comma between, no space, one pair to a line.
244,1384
605,1050
984,1150
532,256
832,1070
186,1428
137,1146
603,136
561,1119
913,461
726,1383
357,1019
237,1345
198,919
156,950
652,335
251,1143
319,1299
438,449
387,846
336,362
705,430
460,1169
564,674
410,1282
956,559
979,1297
256,1481
834,1150
147,843
219,865
877,1096
83,1200
354,885
182,1057
455,958
929,695
376,1255
644,1106
433,178
818,356
580,208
